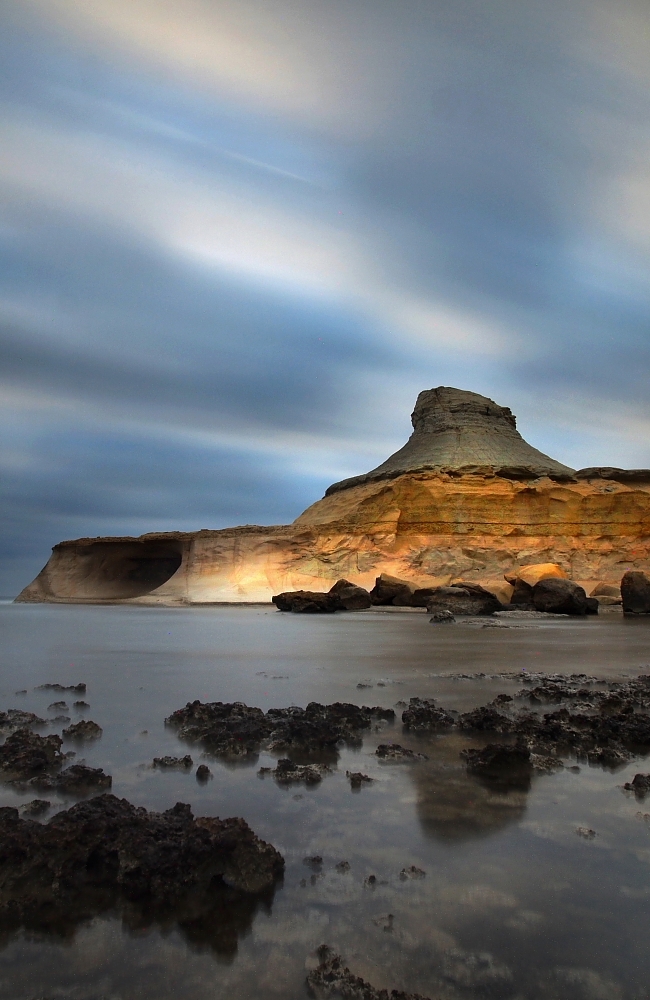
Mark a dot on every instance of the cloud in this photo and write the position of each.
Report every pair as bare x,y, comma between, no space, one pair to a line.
244,236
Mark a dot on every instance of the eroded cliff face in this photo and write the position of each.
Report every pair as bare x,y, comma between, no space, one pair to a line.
430,515
429,528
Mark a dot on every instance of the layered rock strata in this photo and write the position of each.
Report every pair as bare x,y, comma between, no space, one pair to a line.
465,499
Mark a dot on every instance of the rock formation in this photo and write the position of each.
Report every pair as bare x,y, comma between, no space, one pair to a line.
466,499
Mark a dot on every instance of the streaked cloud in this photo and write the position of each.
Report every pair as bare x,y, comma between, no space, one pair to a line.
244,235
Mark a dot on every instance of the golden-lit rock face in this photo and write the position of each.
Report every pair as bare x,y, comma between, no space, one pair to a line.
430,515
429,528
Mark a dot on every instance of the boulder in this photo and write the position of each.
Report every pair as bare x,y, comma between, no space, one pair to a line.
462,599
522,594
535,572
501,589
306,602
562,597
606,590
391,590
635,592
350,597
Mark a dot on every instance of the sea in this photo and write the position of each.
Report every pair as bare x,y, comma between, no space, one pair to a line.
430,881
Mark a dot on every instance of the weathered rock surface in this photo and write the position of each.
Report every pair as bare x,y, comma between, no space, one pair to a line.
333,979
287,772
561,597
424,714
466,499
86,729
635,593
235,730
393,751
25,754
104,851
78,779
15,718
170,763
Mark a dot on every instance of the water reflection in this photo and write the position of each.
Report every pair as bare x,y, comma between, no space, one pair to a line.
214,920
453,805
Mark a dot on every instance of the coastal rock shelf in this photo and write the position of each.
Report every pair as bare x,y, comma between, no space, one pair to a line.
466,498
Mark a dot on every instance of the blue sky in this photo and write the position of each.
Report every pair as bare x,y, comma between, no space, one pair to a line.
238,238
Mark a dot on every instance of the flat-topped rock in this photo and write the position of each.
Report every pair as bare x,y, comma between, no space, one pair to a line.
455,429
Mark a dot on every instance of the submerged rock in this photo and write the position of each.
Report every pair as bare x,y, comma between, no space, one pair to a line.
15,718
640,785
185,762
500,761
333,979
154,857
424,714
235,730
75,688
357,779
287,773
393,751
442,618
86,729
35,808
76,779
25,753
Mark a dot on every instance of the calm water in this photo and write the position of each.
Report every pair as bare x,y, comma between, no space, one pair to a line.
514,903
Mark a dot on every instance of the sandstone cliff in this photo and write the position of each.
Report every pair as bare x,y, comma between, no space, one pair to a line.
466,498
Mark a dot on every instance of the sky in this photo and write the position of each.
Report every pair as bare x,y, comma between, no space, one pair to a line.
238,237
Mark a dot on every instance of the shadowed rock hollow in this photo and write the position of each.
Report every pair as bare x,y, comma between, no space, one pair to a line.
466,498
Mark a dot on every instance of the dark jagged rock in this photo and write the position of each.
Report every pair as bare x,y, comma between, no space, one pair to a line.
393,751
80,705
157,856
86,729
75,688
442,618
306,602
487,717
635,593
76,779
15,718
462,599
357,779
391,590
58,706
204,874
25,754
333,979
640,785
164,763
236,730
560,597
424,714
203,773
225,729
35,808
412,872
288,773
